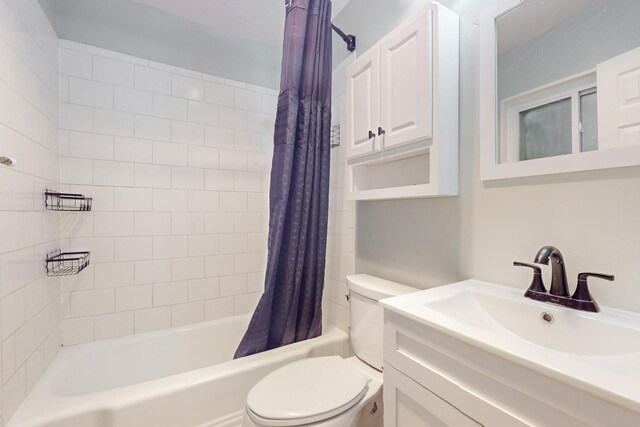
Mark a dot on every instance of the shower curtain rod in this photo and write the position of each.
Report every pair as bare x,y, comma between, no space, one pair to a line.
349,39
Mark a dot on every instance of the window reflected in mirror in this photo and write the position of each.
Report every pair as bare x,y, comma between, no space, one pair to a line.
568,78
545,131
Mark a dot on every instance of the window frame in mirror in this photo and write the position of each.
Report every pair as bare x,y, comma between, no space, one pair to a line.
490,166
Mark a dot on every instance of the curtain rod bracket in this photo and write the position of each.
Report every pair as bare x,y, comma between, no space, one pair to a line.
349,39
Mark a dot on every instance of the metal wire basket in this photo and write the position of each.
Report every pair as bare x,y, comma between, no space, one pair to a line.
55,201
66,263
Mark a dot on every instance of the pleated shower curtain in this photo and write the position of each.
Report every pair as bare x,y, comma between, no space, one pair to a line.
290,308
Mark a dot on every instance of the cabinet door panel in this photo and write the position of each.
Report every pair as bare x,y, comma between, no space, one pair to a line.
406,82
363,102
408,404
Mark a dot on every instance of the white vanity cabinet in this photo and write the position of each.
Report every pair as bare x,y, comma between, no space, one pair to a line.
426,385
432,378
401,126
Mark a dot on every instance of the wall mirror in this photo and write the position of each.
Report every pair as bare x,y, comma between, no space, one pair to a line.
559,87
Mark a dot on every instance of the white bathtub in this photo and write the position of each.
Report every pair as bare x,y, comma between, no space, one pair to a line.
180,377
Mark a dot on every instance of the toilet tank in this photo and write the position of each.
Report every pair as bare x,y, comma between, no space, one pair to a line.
367,316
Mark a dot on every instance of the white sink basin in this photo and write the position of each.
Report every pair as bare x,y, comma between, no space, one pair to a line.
598,352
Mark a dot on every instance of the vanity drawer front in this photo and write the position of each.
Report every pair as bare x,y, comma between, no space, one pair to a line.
408,404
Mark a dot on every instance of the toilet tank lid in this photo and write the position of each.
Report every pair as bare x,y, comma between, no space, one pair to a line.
376,288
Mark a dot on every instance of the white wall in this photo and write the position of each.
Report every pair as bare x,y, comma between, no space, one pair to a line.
29,308
177,163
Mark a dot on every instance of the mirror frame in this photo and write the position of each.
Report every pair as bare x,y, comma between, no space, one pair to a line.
490,168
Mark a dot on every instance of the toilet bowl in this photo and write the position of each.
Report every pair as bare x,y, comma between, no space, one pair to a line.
332,391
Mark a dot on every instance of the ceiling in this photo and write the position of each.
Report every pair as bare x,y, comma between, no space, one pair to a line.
235,39
260,20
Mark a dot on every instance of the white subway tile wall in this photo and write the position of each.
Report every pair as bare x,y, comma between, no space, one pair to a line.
29,300
178,166
340,261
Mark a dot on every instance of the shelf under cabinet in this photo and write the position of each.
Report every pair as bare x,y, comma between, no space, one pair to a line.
401,177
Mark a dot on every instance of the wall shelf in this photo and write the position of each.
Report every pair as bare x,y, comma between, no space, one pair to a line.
55,201
60,263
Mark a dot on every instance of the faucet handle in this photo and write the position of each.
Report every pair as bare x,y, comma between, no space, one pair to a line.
582,290
536,284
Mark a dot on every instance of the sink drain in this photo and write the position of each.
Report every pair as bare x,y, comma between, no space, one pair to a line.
547,317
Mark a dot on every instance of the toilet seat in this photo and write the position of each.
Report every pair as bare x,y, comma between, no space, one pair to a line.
306,391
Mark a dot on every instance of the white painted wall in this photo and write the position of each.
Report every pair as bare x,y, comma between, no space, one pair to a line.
177,163
29,303
590,216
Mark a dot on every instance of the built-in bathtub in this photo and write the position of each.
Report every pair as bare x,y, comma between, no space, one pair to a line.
180,377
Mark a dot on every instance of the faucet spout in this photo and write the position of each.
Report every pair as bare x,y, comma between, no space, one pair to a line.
558,272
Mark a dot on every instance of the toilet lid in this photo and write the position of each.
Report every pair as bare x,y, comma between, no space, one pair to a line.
306,391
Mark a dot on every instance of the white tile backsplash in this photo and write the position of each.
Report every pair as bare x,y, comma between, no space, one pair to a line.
134,297
114,325
91,93
202,113
152,319
219,94
92,302
132,150
76,117
185,314
152,80
29,119
204,289
156,271
90,145
169,107
152,128
175,162
187,133
113,173
112,122
170,293
187,87
75,63
110,70
132,100
152,176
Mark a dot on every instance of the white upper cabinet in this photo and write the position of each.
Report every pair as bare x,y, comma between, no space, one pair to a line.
402,111
363,103
405,83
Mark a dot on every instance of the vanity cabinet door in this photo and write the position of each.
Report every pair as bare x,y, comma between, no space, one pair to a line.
363,103
406,82
408,404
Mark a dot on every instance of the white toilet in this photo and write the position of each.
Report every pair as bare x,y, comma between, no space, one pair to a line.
332,391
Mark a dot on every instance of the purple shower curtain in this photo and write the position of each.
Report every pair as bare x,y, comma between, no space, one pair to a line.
290,308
